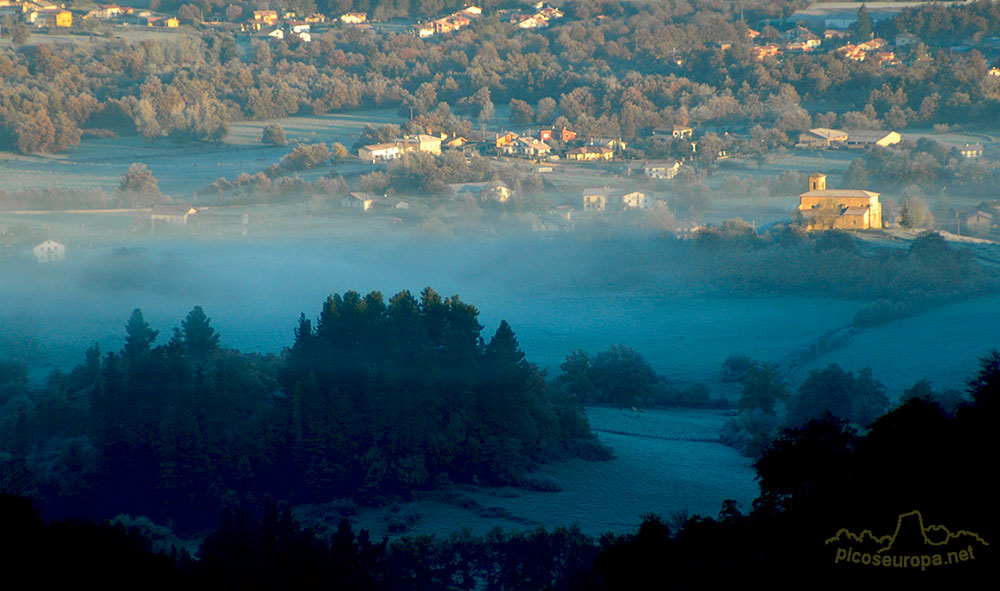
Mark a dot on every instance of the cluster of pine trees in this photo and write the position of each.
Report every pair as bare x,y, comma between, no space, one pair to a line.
380,398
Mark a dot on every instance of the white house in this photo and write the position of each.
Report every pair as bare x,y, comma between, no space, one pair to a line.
637,200
661,169
49,251
380,152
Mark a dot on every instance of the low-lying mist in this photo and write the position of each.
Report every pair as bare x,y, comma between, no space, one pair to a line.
559,294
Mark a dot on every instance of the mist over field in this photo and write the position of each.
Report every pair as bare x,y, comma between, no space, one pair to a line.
558,295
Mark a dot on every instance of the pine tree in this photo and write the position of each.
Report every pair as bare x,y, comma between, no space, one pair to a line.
197,336
863,27
139,338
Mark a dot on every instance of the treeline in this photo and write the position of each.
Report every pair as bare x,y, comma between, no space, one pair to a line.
816,480
379,399
941,24
643,66
621,376
786,260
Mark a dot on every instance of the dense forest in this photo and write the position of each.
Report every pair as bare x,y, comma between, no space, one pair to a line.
817,481
645,65
377,400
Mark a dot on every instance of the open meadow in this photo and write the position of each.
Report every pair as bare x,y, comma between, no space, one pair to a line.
665,466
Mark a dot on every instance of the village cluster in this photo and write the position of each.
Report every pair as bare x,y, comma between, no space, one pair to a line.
265,23
835,19
640,174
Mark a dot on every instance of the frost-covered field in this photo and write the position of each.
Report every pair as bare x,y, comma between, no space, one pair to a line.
943,345
99,163
649,475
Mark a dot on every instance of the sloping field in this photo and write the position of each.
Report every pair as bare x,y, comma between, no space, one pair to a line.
649,475
99,163
943,345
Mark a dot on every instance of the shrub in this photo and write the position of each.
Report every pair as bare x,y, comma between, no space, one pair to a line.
273,135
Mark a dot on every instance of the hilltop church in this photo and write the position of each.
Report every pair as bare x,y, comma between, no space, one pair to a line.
838,209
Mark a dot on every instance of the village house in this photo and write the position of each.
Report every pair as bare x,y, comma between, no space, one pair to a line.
422,142
172,214
867,138
886,58
271,33
49,251
616,144
538,20
661,169
971,150
681,131
353,18
493,190
505,139
596,198
379,152
799,46
853,52
873,44
531,22
687,229
979,223
636,200
821,137
362,201
528,146
761,52
801,39
54,18
163,21
8,8
269,17
838,209
590,153
564,136
634,167
393,149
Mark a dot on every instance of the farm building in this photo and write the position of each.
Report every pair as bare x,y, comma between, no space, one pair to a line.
867,138
172,214
821,137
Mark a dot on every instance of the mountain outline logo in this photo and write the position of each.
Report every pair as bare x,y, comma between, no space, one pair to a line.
911,544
